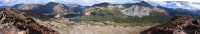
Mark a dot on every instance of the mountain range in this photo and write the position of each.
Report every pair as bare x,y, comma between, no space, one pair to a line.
188,4
129,9
51,7
57,8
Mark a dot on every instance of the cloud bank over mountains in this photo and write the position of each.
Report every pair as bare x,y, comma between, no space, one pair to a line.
188,4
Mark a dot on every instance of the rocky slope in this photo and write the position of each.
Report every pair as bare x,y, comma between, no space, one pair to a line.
36,15
177,25
32,14
17,22
142,9
137,10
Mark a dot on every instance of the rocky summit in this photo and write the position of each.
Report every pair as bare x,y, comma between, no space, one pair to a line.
177,25
17,22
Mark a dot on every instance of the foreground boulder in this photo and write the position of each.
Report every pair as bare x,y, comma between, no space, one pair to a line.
177,25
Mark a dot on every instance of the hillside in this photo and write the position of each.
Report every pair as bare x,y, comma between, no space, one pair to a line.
177,25
17,22
33,14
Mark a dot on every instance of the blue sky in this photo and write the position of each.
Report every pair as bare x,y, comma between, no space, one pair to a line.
81,2
188,4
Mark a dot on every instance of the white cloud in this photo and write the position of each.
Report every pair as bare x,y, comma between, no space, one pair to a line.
176,0
191,4
6,0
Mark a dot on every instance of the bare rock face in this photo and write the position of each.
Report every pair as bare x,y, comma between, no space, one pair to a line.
137,11
17,22
177,25
142,9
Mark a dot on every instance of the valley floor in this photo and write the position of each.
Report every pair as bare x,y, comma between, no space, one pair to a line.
86,27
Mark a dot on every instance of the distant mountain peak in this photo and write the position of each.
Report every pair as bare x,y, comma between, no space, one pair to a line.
73,5
17,5
52,3
101,4
143,3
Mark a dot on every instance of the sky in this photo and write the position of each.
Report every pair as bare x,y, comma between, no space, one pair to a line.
188,4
